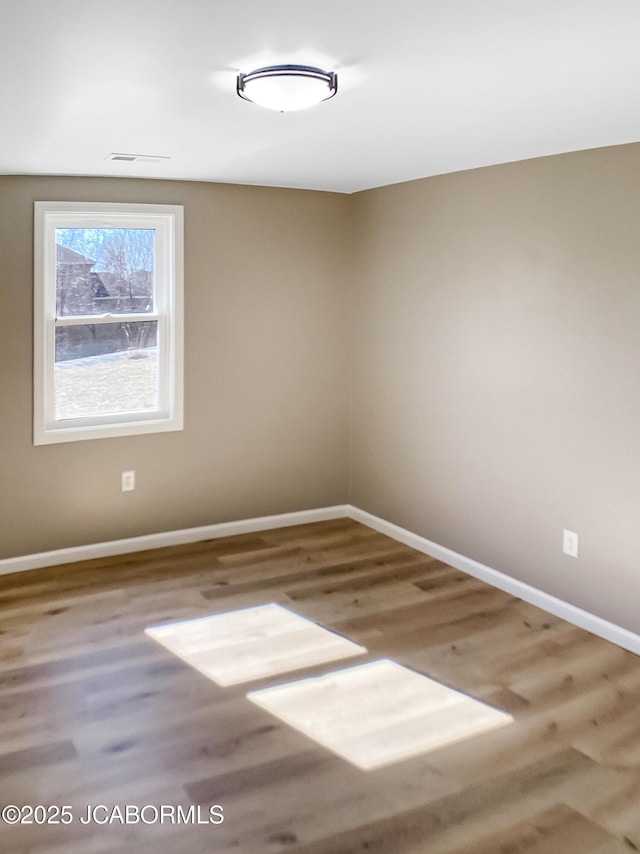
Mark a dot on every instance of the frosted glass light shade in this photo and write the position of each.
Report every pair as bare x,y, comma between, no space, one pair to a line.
286,88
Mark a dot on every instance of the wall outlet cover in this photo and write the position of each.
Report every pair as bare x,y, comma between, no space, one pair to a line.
128,481
570,543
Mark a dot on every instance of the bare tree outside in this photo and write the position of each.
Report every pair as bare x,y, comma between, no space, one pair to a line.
104,271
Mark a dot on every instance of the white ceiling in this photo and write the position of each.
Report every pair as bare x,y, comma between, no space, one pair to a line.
425,87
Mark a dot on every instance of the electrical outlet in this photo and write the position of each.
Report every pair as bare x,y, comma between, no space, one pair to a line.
128,481
570,543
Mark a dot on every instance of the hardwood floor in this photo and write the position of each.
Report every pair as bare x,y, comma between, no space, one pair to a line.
93,712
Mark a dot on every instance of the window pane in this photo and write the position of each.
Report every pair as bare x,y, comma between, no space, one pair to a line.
101,270
106,368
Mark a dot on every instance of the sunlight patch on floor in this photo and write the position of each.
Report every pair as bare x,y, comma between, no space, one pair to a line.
252,643
377,713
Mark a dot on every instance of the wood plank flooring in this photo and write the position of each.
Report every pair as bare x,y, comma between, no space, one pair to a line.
93,712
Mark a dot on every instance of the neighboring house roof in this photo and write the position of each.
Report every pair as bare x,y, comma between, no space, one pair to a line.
64,255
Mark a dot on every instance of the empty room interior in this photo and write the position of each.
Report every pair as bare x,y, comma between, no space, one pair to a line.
320,465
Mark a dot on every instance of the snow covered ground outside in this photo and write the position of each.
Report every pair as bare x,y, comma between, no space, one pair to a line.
126,381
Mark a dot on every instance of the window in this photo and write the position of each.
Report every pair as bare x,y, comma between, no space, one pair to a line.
107,320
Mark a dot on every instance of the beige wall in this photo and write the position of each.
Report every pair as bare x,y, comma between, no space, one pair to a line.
494,345
265,374
496,369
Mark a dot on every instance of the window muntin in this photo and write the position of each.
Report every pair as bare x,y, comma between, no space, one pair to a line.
108,320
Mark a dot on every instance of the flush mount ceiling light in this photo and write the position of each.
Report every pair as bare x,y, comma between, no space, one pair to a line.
287,87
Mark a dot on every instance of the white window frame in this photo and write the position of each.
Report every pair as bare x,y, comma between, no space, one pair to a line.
167,221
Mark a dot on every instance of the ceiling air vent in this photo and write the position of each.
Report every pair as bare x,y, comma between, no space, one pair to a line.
138,158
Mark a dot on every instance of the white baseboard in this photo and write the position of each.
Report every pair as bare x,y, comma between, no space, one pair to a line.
584,619
170,538
578,617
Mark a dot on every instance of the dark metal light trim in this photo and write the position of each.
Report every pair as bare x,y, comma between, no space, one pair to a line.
329,77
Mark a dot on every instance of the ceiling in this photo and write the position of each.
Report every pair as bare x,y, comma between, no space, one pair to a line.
425,87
